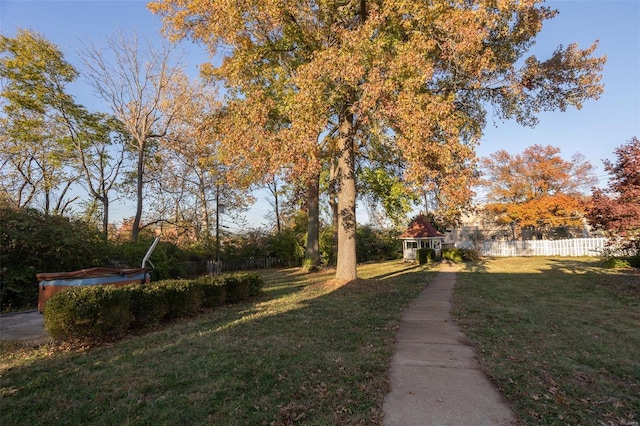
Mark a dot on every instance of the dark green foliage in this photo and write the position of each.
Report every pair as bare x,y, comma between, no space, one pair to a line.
31,242
213,290
286,246
309,266
470,255
375,245
236,289
149,305
95,313
460,254
426,255
452,254
242,286
615,262
184,297
90,313
328,248
167,258
255,283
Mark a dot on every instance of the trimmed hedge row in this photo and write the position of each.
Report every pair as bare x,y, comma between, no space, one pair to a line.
95,313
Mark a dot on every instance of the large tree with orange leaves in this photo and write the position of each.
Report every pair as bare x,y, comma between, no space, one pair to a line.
537,190
312,81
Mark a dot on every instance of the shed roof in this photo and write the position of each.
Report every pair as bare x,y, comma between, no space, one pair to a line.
421,228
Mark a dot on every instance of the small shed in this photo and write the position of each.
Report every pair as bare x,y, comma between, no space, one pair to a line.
420,234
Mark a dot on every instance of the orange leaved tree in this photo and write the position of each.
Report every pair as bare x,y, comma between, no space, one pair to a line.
311,81
536,190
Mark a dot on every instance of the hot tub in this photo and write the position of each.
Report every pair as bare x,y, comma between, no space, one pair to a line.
51,283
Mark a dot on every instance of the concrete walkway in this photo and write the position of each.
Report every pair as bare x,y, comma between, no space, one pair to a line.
25,327
435,377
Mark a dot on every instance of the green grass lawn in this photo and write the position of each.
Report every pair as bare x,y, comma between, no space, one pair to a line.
560,337
309,351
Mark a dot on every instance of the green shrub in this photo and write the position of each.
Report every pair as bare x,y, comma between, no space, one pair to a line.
32,242
470,255
617,263
452,254
309,266
184,298
255,283
634,261
167,259
286,247
213,290
426,255
95,312
102,312
240,287
374,244
149,305
237,289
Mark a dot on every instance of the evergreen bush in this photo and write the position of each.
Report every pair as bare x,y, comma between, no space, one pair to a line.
255,283
452,254
213,290
32,242
237,289
184,297
97,312
426,255
105,312
149,305
470,255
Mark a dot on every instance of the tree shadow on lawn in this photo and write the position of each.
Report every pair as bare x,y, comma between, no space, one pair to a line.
408,268
321,355
557,336
608,278
474,266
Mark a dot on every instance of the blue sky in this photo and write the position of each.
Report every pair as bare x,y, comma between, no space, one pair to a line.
594,131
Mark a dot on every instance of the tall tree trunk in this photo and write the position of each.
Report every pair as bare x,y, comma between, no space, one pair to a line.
204,213
105,216
217,227
276,206
333,204
346,181
47,202
135,228
313,205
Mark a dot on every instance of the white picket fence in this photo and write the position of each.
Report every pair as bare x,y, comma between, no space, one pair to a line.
572,247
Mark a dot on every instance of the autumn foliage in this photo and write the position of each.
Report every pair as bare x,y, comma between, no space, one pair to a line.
617,208
314,83
537,189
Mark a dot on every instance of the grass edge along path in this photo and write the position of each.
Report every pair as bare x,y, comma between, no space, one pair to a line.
310,350
560,337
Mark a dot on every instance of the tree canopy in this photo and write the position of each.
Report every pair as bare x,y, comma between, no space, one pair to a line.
617,208
38,119
536,189
311,81
145,89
